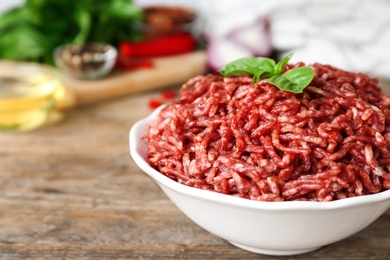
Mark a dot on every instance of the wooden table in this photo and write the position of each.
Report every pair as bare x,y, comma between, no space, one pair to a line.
71,191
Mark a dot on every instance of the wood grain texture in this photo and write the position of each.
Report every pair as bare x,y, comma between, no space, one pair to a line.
71,191
166,71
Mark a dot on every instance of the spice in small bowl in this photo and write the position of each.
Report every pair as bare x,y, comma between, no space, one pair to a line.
86,61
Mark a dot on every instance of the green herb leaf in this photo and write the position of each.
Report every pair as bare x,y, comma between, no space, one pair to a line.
301,76
13,18
294,80
261,74
281,64
23,42
122,9
32,31
250,66
83,20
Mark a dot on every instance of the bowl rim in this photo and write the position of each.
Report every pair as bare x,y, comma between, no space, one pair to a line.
135,140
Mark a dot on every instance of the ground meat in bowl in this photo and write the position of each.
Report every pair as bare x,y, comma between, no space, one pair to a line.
258,142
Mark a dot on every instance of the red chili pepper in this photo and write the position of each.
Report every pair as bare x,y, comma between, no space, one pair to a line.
162,46
168,94
154,103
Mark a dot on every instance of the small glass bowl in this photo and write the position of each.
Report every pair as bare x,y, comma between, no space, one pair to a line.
29,92
86,61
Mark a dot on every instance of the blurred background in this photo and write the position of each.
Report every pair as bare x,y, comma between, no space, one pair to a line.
150,35
351,34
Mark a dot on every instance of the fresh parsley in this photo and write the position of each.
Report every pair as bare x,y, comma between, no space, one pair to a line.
293,80
34,29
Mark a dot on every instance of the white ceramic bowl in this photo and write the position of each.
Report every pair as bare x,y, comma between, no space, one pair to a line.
272,228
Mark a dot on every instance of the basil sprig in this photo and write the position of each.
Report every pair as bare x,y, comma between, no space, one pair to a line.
293,80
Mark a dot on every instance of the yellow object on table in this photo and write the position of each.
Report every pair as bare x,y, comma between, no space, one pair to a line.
28,94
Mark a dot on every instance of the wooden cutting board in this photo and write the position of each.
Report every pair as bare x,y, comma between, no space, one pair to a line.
167,71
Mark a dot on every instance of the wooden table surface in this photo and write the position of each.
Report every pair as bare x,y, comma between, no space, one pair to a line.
71,191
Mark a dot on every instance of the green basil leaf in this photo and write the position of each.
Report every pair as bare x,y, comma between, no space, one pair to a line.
301,76
281,64
261,74
294,80
249,66
283,83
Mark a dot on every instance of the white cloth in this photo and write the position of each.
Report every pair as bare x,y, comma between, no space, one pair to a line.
349,34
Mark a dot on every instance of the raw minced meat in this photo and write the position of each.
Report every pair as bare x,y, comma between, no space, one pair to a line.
258,142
